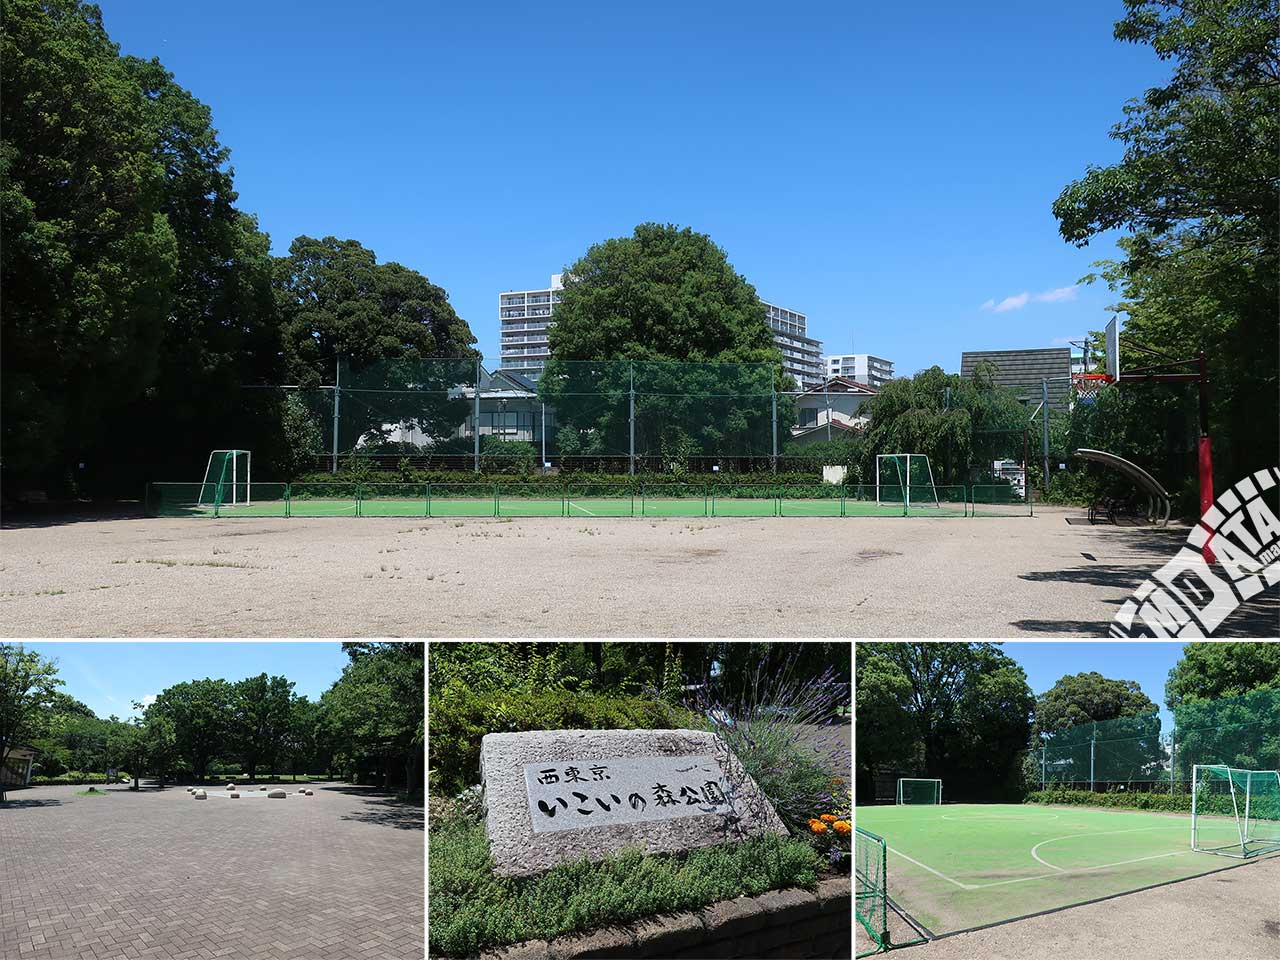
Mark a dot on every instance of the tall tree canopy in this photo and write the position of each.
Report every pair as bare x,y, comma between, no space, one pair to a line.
633,314
28,685
1084,697
1197,192
1212,671
89,257
970,713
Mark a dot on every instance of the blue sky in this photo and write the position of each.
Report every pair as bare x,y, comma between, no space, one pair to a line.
109,677
1147,663
886,169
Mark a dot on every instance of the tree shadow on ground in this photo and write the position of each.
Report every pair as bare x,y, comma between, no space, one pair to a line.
391,813
19,804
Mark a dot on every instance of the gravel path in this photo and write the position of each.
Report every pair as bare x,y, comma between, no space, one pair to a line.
804,577
1235,913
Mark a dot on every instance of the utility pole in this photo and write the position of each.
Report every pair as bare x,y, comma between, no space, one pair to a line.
1044,430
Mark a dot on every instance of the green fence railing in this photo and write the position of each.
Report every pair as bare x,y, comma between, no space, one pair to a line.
580,499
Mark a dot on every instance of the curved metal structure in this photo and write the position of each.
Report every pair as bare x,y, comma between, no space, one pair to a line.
1158,504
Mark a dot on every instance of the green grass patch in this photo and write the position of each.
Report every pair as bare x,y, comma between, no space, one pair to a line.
90,793
471,909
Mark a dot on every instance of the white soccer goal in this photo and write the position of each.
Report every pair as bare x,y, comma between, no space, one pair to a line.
1234,813
897,474
227,478
914,790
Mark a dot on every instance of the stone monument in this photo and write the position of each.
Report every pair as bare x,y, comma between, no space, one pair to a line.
555,796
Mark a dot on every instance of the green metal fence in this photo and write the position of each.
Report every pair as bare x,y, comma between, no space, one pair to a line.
871,893
583,499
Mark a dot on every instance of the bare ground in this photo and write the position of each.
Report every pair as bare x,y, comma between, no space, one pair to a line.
1235,913
803,577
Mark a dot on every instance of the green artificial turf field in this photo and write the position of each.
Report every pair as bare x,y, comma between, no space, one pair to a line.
953,867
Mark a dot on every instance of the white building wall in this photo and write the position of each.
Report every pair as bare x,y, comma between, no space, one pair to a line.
862,367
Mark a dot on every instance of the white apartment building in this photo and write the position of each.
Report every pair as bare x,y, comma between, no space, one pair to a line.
525,316
525,319
801,354
862,367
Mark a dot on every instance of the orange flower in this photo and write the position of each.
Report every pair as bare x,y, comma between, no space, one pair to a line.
817,826
841,826
828,818
837,782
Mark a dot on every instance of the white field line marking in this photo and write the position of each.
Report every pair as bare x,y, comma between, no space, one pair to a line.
1043,876
575,506
1074,836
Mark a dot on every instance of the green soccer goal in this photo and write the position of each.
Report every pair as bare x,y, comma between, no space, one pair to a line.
914,790
227,479
1234,813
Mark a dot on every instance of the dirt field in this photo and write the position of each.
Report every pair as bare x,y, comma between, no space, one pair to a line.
1235,912
347,576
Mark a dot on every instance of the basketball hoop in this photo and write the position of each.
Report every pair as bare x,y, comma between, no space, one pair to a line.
1088,385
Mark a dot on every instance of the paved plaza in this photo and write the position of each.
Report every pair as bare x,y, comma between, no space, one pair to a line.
158,874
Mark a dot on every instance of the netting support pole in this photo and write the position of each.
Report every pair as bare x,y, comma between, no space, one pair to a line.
1092,744
1173,761
1043,778
773,398
475,422
337,394
631,423
1044,430
544,436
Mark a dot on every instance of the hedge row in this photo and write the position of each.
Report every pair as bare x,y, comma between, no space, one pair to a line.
77,777
1134,800
799,477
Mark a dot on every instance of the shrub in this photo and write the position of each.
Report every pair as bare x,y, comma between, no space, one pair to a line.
471,908
1129,800
73,777
460,717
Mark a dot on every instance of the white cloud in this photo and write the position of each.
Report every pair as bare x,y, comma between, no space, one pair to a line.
1016,302
1062,293
1020,300
148,700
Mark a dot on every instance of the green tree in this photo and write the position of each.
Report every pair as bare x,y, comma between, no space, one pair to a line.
1225,698
385,323
28,684
219,329
1197,189
633,306
1085,697
160,745
261,713
376,710
1212,671
971,710
126,748
886,729
89,256
961,425
199,711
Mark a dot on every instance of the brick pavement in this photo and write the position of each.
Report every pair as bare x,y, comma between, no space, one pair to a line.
158,875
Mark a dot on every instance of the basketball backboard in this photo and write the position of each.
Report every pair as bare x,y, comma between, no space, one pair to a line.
1111,349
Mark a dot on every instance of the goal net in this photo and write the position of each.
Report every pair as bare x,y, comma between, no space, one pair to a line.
911,790
1234,812
905,478
226,479
871,903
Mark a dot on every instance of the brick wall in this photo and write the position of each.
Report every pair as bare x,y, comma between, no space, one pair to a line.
792,923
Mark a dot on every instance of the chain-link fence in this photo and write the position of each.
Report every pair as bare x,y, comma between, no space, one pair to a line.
1134,753
637,417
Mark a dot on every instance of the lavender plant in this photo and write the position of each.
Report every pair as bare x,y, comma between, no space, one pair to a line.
777,729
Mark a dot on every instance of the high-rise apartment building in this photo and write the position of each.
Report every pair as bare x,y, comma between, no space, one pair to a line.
801,354
862,367
526,319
